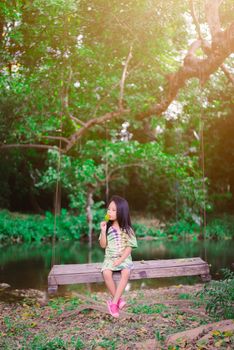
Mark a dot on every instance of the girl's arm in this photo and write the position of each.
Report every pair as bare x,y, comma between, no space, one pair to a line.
102,240
127,251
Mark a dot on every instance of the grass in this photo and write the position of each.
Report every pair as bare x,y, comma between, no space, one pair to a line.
184,296
148,309
29,326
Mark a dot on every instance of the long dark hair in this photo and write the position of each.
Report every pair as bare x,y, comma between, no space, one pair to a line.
123,216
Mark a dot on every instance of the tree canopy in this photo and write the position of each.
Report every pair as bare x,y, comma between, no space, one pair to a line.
75,71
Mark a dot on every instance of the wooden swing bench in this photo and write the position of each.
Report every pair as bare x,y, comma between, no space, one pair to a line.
90,273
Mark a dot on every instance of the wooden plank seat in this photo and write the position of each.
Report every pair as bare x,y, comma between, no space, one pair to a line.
90,273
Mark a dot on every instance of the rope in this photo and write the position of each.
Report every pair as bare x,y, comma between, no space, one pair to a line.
56,205
202,152
57,191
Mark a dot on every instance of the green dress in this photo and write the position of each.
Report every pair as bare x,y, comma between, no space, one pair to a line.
117,242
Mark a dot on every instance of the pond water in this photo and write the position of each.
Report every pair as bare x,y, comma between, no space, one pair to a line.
27,265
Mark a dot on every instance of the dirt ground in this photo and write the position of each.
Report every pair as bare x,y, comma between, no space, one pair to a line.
152,319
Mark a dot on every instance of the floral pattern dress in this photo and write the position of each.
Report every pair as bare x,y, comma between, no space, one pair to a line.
117,242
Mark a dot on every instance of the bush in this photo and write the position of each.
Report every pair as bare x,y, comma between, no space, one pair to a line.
182,229
36,228
219,296
142,230
221,228
217,229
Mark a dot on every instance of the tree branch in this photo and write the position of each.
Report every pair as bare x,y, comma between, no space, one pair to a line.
195,20
55,138
194,67
122,81
212,16
112,88
65,101
205,45
80,122
30,145
110,175
95,121
228,74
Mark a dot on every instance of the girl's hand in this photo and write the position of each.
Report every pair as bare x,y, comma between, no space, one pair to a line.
117,262
103,226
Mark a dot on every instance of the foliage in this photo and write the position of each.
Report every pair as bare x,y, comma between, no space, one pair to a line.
35,228
182,230
220,228
217,228
88,173
219,296
64,59
144,231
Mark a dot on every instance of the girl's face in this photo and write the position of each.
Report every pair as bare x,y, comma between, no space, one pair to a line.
112,211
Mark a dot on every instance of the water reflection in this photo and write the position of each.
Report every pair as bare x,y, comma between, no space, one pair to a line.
27,266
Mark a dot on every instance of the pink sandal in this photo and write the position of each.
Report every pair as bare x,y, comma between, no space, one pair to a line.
121,303
113,309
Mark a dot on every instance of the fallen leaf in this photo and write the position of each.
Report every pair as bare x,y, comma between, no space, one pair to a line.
218,343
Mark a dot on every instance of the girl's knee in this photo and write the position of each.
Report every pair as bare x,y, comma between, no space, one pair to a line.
125,273
107,273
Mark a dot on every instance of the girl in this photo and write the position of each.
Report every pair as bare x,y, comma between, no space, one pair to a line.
118,239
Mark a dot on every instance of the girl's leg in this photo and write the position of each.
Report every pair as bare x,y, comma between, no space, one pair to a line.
125,273
107,275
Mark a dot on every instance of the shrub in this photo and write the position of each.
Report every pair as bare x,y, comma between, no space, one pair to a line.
217,228
182,229
219,296
142,230
221,228
36,228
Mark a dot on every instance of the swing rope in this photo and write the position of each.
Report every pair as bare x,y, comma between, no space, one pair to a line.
56,209
202,148
57,193
202,160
